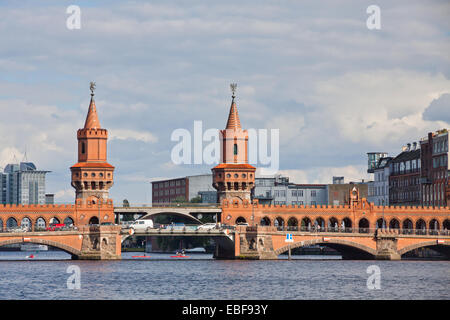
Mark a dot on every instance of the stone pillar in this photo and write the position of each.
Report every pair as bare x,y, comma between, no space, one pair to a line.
100,243
387,246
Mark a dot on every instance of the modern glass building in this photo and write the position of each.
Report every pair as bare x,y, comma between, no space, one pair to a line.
22,184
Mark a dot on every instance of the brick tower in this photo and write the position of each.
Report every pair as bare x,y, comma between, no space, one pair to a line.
233,178
92,176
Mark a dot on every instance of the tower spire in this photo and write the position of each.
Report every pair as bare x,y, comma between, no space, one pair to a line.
92,117
233,118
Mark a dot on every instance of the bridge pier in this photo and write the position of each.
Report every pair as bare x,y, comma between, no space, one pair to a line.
387,246
100,243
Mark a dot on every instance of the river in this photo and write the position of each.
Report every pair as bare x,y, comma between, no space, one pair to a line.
201,277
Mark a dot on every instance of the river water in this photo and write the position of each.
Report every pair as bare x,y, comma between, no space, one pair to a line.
201,277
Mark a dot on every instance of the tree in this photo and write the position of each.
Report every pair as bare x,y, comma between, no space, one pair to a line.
197,199
126,204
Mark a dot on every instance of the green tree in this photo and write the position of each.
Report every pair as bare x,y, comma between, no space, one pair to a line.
126,204
197,199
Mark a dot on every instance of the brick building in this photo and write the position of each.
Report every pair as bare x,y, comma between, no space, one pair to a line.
435,169
185,188
404,179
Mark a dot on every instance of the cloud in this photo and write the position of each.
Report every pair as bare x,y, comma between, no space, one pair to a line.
439,109
124,134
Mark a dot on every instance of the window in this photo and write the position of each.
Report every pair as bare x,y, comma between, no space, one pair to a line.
83,148
235,149
313,193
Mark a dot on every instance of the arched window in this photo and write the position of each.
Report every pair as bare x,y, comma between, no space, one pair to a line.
83,148
235,149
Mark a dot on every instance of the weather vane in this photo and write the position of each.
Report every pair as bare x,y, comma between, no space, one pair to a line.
233,87
92,87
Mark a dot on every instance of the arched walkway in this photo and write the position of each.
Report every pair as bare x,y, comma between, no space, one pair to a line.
40,224
93,220
421,227
306,224
240,220
279,222
347,224
381,224
333,225
444,249
407,227
265,221
319,224
394,224
26,223
434,226
68,221
11,223
292,224
363,225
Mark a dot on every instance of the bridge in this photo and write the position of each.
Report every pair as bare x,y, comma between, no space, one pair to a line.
192,213
87,242
265,242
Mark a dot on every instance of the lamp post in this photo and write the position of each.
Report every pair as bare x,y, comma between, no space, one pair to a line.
384,223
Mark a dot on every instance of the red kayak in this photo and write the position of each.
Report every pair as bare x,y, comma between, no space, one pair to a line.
179,256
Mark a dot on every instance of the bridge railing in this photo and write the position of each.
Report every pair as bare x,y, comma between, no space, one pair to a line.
314,229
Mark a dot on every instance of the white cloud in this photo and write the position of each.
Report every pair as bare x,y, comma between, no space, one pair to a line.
124,134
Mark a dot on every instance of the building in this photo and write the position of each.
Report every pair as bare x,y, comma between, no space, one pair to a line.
22,184
435,169
277,190
183,189
338,193
373,159
233,177
378,190
92,175
49,198
404,179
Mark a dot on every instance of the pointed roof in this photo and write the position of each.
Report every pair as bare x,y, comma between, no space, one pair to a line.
92,117
233,118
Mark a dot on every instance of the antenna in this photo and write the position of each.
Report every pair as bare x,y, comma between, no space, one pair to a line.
25,159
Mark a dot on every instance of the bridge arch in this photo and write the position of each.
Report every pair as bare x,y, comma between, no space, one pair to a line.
1,224
306,223
26,222
363,225
345,247
11,222
265,221
445,248
394,224
54,220
240,220
61,246
278,222
333,224
292,222
40,223
175,213
69,221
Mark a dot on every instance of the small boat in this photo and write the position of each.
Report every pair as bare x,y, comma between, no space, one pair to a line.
31,256
180,255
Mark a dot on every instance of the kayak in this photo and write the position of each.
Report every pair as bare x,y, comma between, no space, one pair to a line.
179,256
31,256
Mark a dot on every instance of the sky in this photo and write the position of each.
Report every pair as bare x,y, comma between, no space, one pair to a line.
334,88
